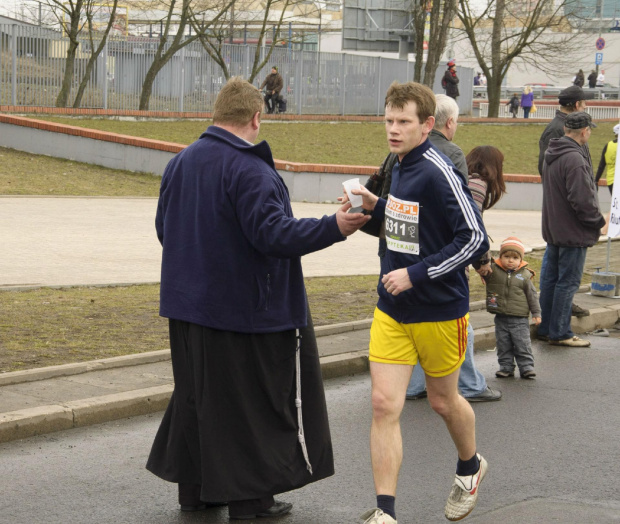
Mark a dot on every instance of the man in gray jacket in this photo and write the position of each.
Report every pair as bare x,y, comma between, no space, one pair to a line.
441,136
571,222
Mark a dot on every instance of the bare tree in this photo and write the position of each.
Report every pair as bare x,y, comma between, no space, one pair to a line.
70,16
271,17
441,15
103,38
499,31
179,14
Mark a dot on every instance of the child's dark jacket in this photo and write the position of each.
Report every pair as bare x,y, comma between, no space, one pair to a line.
511,293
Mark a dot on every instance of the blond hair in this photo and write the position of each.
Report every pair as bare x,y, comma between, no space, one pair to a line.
237,103
399,95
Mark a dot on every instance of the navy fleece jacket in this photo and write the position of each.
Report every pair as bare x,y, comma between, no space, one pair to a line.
231,247
450,236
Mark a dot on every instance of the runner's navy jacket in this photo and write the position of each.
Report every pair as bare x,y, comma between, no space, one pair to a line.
231,247
451,236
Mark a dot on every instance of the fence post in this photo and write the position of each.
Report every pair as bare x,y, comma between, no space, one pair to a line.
379,78
343,87
301,81
105,75
182,86
14,64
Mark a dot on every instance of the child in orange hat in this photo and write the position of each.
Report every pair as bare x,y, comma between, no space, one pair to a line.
511,296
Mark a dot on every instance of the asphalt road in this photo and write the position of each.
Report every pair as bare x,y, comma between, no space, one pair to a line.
552,446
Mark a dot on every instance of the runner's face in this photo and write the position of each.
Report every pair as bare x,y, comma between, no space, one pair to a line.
405,132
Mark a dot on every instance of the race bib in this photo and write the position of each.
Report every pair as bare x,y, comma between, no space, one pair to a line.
401,226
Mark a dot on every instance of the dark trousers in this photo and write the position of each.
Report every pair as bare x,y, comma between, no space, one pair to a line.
271,101
513,343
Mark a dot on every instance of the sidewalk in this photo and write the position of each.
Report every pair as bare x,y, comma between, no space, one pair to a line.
88,239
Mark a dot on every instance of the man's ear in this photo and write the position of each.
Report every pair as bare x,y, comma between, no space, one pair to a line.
256,120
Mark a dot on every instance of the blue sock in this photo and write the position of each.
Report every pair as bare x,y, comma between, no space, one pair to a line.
386,504
468,467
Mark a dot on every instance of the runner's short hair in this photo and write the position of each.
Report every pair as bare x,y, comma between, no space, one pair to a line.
399,95
237,103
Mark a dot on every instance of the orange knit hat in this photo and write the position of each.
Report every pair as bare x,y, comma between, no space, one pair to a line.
512,244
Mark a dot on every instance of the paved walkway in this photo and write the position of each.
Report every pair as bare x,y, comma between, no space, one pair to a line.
74,241
53,241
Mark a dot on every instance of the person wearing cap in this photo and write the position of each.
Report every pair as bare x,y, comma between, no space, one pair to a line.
571,99
273,84
571,222
608,161
511,296
450,80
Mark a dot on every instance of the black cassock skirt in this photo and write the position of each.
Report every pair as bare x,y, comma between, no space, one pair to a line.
231,425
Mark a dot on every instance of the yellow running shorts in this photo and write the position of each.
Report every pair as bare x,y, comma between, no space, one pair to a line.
438,346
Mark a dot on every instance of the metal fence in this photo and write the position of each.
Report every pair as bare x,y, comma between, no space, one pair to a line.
548,112
32,62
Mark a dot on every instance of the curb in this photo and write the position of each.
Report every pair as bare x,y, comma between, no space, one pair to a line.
56,417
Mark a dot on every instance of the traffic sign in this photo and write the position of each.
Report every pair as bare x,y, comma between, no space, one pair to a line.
599,59
600,43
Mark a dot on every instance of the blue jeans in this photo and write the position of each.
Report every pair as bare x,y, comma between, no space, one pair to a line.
560,276
526,112
471,381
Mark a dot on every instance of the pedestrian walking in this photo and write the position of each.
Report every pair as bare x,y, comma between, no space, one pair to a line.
450,80
571,222
514,104
527,101
607,164
511,296
432,231
241,337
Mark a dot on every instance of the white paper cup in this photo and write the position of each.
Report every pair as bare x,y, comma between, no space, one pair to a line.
353,183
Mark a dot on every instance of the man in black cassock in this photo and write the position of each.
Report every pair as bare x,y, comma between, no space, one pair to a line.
244,355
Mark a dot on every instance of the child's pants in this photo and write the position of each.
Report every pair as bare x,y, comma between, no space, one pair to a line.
513,343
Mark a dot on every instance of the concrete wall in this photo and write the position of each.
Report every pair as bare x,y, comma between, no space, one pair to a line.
306,182
108,154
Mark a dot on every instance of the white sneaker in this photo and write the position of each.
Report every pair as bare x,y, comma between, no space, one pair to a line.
376,516
464,494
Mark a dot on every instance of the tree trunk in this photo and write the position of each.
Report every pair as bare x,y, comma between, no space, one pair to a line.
494,93
67,79
85,79
149,80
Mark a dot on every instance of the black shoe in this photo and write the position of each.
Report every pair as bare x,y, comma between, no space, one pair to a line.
419,396
487,395
579,312
529,374
544,338
502,373
278,509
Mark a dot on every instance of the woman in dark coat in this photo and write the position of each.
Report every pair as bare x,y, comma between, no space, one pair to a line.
580,79
450,80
